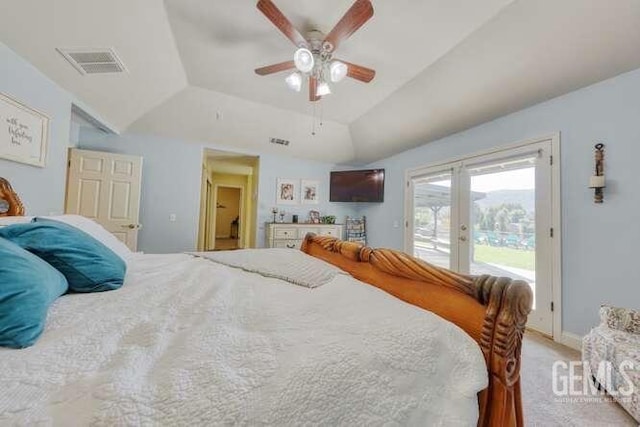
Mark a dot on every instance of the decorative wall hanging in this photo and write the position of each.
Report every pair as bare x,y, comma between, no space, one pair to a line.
23,133
597,181
287,191
309,192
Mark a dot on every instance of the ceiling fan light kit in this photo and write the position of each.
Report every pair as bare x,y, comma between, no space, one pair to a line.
313,57
303,58
338,71
294,81
323,89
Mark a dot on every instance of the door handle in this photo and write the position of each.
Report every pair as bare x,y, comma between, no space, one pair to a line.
131,226
463,238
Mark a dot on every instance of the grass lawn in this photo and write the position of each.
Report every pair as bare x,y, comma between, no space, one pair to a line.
516,258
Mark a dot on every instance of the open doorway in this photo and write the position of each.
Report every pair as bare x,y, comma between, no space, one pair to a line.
228,206
228,217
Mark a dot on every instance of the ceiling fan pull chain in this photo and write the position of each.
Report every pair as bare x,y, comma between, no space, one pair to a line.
313,122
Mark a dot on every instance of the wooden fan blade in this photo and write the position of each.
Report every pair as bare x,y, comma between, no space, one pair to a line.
359,72
279,20
356,16
275,68
313,88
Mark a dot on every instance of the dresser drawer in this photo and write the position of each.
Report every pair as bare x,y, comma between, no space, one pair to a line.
329,231
285,233
303,231
287,244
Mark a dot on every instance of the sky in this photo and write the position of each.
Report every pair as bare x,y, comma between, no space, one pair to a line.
519,179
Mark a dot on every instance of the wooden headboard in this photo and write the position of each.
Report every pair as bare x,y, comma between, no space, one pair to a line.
10,204
492,310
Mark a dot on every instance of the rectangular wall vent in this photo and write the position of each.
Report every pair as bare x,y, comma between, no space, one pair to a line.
279,141
93,61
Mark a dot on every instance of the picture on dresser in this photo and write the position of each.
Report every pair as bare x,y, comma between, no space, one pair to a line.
314,217
309,192
287,191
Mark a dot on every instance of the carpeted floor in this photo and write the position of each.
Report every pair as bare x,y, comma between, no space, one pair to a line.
540,405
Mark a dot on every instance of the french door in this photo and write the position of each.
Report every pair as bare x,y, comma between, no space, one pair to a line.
489,214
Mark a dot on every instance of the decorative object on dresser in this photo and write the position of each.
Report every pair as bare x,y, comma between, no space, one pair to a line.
287,191
10,204
314,217
328,219
291,235
356,230
23,133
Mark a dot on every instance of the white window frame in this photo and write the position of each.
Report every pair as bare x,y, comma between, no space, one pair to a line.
556,211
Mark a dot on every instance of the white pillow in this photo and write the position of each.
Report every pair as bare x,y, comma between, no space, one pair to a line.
96,231
10,220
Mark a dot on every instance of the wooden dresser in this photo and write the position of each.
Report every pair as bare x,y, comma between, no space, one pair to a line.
289,235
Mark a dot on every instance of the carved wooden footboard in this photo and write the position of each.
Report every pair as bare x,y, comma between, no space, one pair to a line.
492,310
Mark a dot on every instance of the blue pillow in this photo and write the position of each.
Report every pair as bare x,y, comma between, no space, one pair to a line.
28,286
88,265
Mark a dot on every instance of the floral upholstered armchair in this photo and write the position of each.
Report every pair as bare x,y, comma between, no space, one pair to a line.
616,340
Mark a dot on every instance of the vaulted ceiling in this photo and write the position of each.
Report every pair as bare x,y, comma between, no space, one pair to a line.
442,66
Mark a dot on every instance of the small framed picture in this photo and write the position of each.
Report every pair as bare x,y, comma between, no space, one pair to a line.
286,191
309,192
314,217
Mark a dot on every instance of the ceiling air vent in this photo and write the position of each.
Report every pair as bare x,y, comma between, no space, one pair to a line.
93,61
279,141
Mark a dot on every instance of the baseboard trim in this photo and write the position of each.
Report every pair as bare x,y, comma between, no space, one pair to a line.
571,340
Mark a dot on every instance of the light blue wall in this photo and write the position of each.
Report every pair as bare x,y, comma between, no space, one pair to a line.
171,180
41,189
600,242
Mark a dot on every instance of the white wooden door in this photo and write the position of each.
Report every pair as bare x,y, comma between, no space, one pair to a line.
106,188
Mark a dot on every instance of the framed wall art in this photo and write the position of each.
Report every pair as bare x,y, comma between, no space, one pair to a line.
287,191
309,192
23,133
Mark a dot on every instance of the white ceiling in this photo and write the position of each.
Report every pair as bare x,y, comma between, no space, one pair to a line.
221,43
442,66
138,30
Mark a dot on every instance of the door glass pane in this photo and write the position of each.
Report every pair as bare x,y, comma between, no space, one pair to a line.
503,216
432,219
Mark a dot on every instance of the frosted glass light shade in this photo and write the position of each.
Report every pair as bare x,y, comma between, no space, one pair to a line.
323,89
294,81
338,71
303,58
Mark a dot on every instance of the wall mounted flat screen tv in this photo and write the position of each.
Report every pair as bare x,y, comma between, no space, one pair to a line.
365,186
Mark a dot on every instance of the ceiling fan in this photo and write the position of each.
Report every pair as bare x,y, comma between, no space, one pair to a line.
314,55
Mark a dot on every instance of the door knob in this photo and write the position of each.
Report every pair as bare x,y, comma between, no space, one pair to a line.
131,226
463,227
463,238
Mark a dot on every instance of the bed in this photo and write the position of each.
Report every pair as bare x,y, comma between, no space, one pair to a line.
388,339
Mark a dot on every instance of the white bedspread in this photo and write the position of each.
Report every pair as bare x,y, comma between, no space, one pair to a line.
190,342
